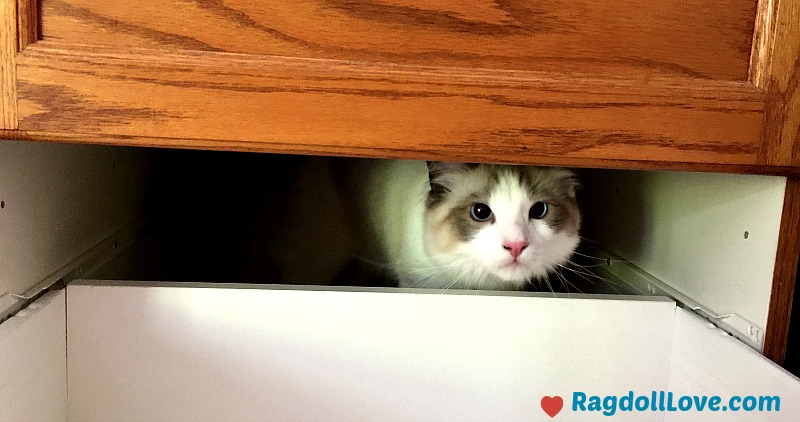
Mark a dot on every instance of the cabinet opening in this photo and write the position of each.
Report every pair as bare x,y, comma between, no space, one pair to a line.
707,240
285,219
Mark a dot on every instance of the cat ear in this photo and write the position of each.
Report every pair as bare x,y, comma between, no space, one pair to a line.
440,183
437,168
438,190
570,183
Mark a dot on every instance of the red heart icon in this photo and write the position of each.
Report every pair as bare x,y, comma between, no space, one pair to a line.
552,405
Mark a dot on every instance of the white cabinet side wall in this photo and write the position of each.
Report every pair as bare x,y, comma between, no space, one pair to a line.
33,362
707,362
713,237
58,201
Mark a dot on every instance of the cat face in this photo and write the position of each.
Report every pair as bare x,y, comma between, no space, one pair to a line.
499,227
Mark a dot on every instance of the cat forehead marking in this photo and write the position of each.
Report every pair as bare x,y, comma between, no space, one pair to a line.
501,188
508,190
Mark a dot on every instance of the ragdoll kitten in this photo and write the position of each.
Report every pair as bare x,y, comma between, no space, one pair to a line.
468,226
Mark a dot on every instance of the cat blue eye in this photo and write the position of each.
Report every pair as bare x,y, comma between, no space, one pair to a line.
480,212
538,210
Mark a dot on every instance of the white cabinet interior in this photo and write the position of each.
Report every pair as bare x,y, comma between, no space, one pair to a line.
712,237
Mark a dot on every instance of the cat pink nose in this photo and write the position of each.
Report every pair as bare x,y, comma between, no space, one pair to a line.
515,248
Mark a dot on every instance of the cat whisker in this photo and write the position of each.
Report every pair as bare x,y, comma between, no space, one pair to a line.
426,279
583,266
560,278
583,273
606,260
591,265
550,286
437,271
588,276
542,281
470,274
480,281
471,283
440,267
453,283
564,279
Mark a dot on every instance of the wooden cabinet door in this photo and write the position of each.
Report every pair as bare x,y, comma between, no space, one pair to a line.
683,84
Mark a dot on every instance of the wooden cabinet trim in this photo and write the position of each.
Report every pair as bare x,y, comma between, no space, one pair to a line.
29,24
775,68
277,103
763,42
784,276
379,152
8,79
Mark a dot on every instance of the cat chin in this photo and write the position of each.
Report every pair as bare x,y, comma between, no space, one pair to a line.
513,273
518,275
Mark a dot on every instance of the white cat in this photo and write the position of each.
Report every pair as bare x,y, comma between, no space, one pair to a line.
470,226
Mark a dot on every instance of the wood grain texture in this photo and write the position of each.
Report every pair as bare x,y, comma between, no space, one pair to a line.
777,71
694,38
28,27
275,104
8,51
775,68
379,152
784,276
763,42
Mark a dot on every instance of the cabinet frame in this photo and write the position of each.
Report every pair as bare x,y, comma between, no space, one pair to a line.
65,92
